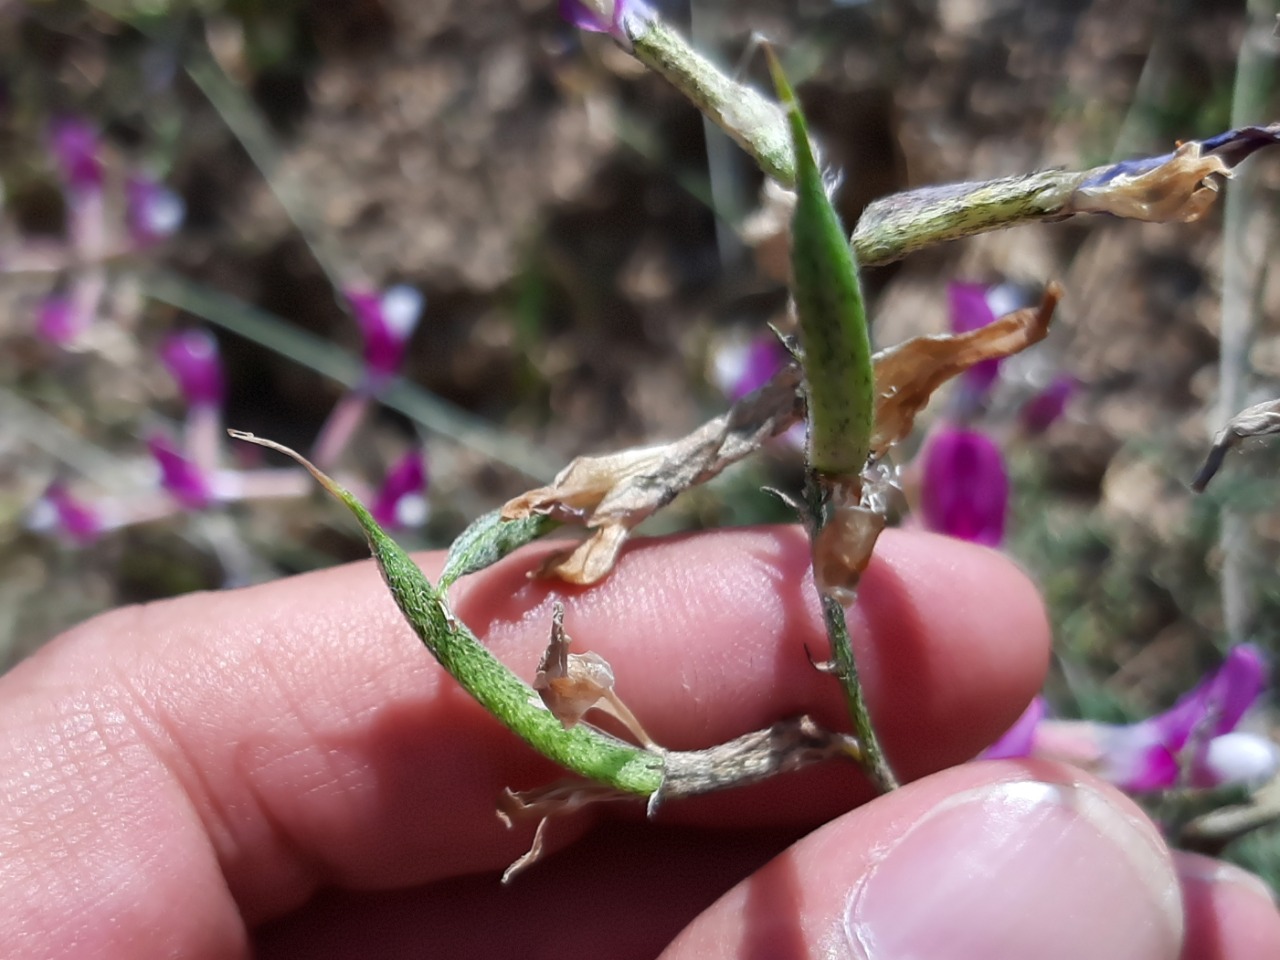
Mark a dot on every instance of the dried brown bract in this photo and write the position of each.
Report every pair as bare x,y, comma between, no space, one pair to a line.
1260,420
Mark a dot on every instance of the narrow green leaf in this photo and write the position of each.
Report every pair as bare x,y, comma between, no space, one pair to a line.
582,749
488,539
833,325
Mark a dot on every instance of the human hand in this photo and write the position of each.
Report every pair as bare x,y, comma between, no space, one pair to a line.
285,769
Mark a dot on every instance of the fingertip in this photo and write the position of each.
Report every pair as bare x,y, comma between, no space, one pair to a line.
988,861
1231,913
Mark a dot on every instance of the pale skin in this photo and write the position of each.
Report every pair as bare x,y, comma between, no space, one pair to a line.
285,770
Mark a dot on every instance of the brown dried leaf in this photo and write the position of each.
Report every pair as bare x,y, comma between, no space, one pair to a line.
909,373
1260,420
613,494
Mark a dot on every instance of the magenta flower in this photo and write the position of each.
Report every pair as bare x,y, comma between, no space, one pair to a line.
1047,406
1150,755
183,480
964,489
191,357
152,211
590,15
741,369
386,323
1019,740
969,310
400,502
1195,743
60,510
75,149
58,320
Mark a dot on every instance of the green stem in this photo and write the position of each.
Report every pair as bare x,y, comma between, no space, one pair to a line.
874,760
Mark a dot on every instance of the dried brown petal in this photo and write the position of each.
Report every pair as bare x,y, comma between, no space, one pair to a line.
1181,188
613,494
570,684
1260,420
909,373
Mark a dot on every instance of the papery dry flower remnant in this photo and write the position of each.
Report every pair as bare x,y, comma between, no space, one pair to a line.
1196,743
571,684
1177,186
612,494
1260,420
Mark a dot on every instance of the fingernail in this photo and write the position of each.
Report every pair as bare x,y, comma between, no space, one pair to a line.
1016,870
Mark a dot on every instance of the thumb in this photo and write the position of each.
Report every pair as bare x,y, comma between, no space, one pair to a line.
986,861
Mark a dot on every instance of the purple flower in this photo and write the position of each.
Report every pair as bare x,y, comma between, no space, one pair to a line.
58,320
1231,147
191,357
1150,755
400,502
69,516
1018,740
743,368
179,476
1195,743
969,310
386,323
152,210
965,489
75,148
1040,412
590,15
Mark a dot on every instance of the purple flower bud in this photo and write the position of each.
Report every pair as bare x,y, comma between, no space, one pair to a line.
191,357
1149,755
590,15
179,476
75,148
400,502
69,516
386,323
58,320
743,368
970,309
1019,740
965,489
153,211
1047,406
